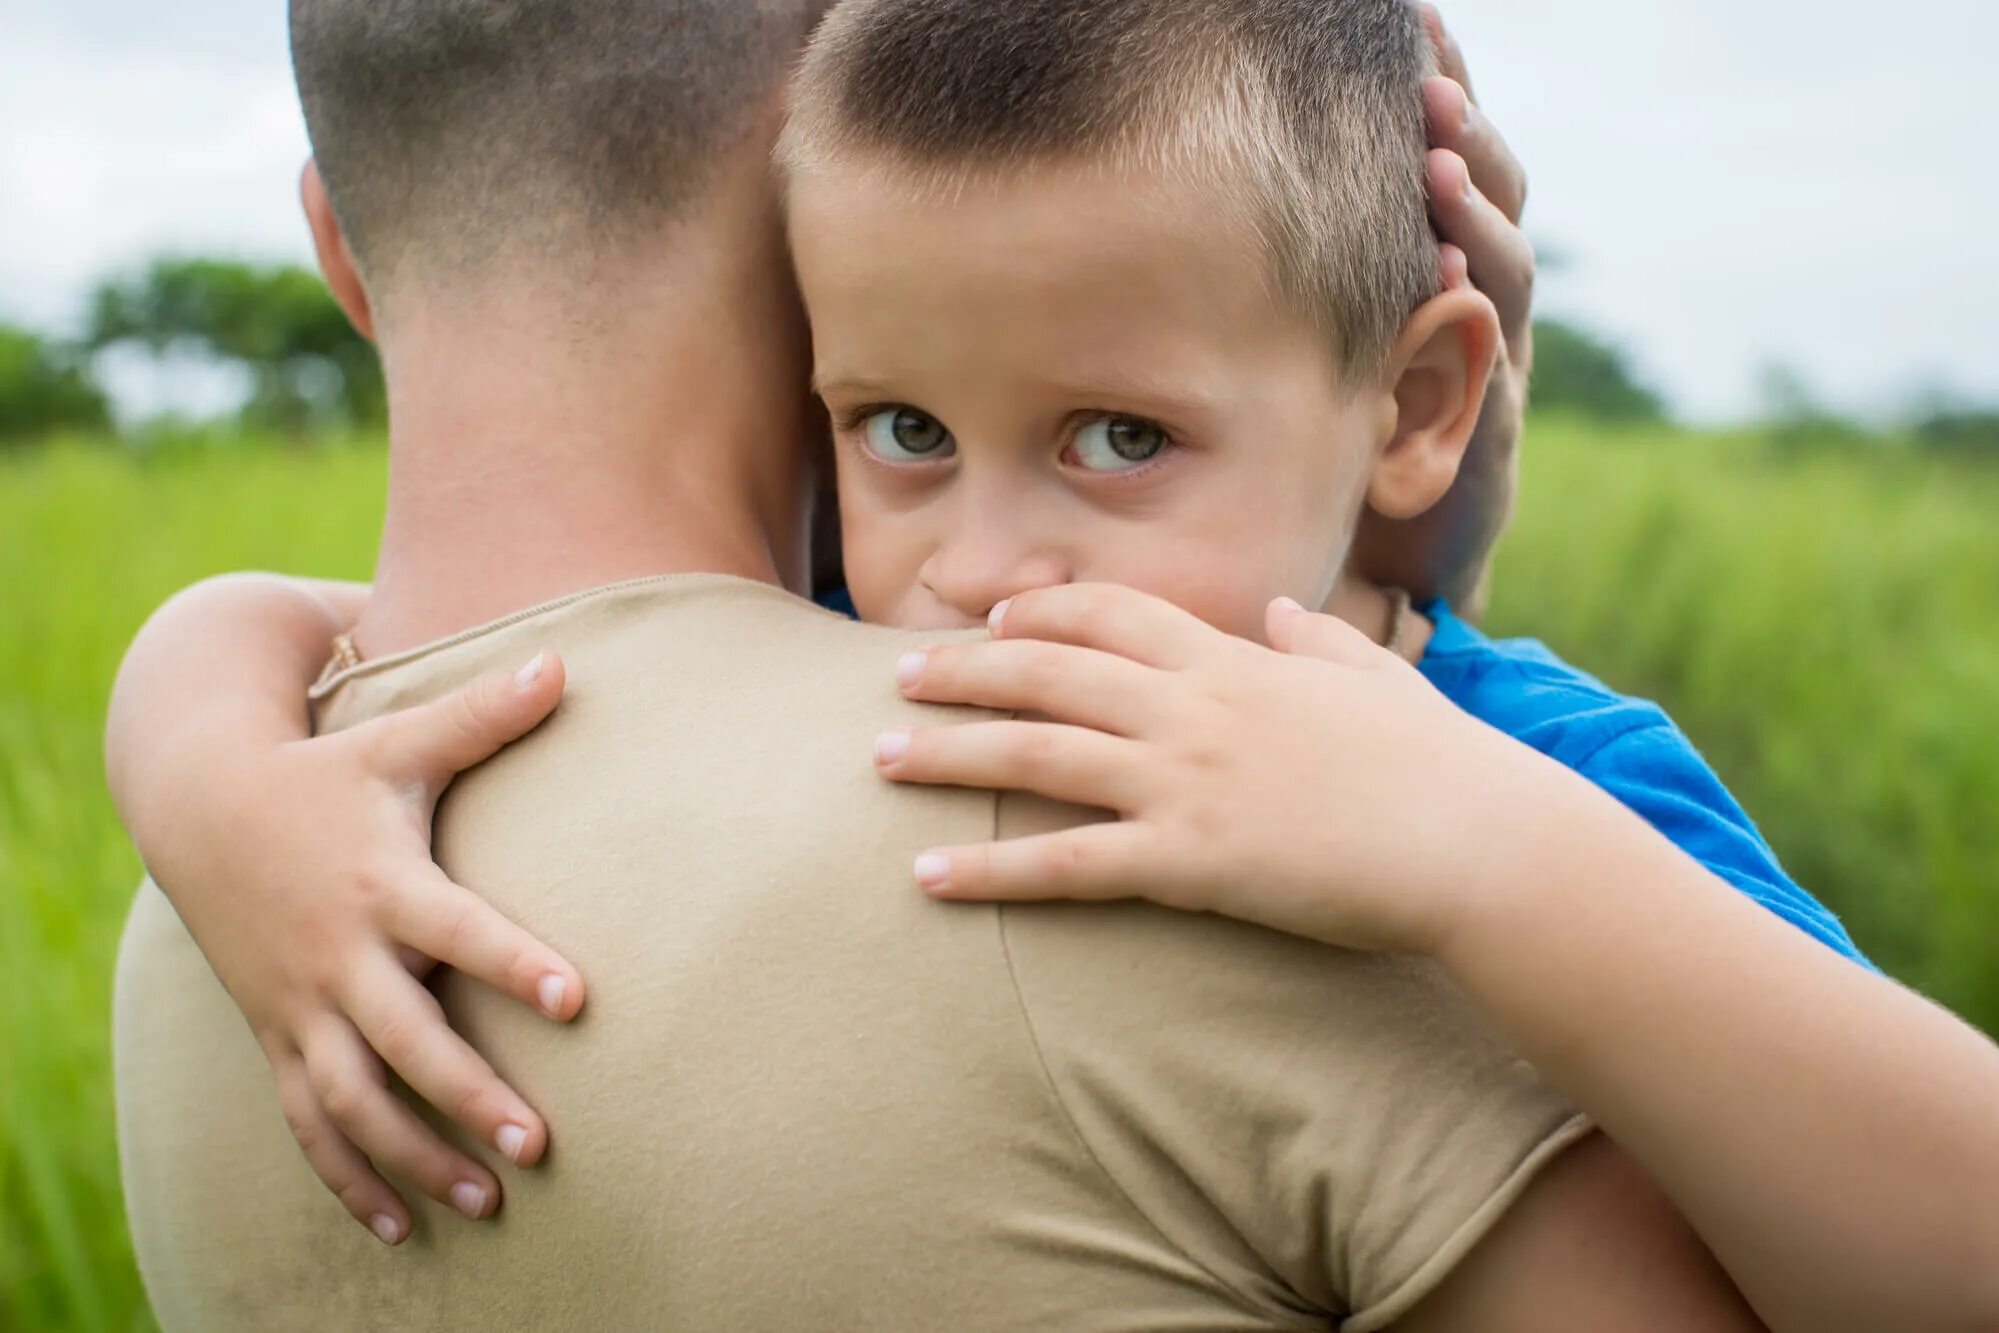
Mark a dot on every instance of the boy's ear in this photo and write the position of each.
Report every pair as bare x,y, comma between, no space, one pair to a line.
336,261
1437,373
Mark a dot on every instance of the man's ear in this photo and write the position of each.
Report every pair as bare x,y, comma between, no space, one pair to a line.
1437,373
336,261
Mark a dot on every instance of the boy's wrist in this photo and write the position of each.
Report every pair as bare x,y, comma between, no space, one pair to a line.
1553,835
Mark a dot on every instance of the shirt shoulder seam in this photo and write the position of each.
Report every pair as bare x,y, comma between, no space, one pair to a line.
1034,1043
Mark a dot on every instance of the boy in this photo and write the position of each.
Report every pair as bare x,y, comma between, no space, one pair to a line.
1155,349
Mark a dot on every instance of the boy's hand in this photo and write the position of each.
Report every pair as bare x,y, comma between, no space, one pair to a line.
1477,191
335,913
1324,789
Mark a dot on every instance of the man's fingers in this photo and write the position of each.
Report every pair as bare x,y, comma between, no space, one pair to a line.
458,928
1450,56
437,740
1075,685
1456,123
348,1080
1107,617
1073,764
407,1028
338,1164
1095,861
1497,253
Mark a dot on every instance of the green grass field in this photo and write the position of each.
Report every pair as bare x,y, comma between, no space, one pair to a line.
1826,628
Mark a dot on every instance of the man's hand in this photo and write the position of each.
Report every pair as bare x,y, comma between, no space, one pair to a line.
1477,191
1323,788
330,911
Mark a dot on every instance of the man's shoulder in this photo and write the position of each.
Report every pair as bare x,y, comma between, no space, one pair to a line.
1291,1115
671,632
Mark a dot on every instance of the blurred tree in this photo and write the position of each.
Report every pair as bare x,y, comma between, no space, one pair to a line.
1943,421
1961,430
1578,372
1795,418
308,366
44,387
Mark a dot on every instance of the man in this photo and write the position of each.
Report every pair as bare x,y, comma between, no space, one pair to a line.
801,1092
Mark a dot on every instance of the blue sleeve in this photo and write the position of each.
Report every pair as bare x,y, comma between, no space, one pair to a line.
1655,771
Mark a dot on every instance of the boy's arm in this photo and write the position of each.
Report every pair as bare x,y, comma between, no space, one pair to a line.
1829,1134
301,866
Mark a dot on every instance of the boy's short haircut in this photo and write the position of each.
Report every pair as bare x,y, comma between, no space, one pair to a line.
1308,113
463,130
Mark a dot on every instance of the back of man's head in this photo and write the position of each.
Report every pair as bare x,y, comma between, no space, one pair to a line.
454,133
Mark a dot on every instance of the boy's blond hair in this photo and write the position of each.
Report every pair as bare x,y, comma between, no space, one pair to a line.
1305,117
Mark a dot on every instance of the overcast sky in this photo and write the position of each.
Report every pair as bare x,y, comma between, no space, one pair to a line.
1726,184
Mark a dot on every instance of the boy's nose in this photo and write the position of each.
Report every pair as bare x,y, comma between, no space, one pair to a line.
972,584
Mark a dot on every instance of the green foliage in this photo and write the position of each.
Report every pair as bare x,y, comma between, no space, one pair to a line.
309,369
44,389
1577,372
1970,431
1824,628
1823,625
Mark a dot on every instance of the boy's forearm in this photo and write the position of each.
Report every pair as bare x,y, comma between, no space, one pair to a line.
220,670
1830,1134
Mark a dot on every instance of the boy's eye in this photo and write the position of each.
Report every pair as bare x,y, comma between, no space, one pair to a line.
1117,444
905,435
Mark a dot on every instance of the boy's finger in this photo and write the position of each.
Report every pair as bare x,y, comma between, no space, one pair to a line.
1290,628
402,1021
1075,685
440,739
456,927
347,1079
1095,862
1498,254
1072,764
338,1164
1455,122
1107,617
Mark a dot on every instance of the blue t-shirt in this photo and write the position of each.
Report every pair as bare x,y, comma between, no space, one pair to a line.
1626,746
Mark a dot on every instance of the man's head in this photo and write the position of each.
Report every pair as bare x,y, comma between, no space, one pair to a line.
463,137
1165,270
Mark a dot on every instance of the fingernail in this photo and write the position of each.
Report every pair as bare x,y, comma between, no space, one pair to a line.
550,990
932,869
510,1140
385,1228
468,1199
909,669
530,673
995,616
1288,604
891,746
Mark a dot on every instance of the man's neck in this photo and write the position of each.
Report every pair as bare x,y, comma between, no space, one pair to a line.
534,453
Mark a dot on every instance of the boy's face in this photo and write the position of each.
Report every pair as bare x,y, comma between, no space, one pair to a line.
1070,376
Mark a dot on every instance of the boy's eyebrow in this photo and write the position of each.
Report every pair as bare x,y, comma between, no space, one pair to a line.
1168,399
824,384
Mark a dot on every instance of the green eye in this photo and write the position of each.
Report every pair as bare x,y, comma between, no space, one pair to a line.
905,435
1118,444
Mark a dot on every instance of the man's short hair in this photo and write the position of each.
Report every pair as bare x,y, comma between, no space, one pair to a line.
1307,112
461,130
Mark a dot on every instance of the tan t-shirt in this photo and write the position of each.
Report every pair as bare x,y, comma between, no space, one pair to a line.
803,1095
